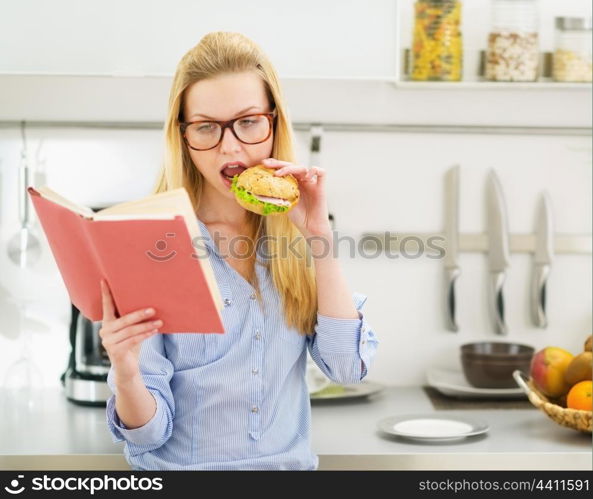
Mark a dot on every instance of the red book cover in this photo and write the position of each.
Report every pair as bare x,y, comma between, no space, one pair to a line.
147,262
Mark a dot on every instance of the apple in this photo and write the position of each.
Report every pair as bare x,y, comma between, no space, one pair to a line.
547,369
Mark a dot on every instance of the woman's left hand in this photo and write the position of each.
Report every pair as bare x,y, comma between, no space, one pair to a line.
310,215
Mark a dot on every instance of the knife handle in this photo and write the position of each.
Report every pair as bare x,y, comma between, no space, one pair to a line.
451,276
538,295
497,302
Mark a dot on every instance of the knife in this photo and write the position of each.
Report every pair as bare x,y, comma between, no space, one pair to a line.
452,270
544,249
498,250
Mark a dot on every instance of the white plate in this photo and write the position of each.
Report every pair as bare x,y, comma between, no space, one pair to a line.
454,384
430,427
349,391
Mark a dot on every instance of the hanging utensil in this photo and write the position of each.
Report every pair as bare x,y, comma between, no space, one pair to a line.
498,250
24,248
315,145
544,249
315,157
452,271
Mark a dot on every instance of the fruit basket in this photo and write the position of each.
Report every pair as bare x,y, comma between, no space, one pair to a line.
571,418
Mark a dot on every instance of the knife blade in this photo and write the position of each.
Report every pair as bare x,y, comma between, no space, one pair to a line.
451,265
544,249
498,250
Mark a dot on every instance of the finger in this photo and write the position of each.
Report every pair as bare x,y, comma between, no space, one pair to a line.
273,166
130,331
108,307
273,162
137,330
310,177
318,174
299,172
134,340
131,319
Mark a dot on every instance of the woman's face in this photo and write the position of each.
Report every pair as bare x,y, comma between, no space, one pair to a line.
223,98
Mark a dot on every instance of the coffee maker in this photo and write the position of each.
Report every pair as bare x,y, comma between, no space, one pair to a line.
85,379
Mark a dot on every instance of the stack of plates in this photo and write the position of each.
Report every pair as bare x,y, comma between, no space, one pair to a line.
454,384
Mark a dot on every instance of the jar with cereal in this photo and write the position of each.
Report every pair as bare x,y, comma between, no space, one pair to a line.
513,42
572,55
437,43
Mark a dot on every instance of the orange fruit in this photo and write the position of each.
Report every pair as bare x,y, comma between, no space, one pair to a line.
579,396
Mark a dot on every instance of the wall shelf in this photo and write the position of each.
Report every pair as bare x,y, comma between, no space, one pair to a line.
491,85
375,104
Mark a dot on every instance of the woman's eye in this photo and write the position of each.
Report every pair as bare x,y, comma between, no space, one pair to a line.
246,123
206,127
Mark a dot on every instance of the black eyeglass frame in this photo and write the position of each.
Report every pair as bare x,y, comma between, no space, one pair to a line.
228,124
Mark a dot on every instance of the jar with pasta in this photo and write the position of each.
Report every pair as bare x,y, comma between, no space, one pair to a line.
513,42
572,55
437,42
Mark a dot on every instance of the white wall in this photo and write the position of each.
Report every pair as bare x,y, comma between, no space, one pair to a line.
305,38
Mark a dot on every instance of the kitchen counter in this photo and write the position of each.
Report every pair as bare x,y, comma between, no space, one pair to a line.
48,432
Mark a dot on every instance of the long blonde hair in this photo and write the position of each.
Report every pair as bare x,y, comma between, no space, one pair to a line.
220,53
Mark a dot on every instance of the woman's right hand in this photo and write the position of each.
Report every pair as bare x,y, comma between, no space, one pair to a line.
123,336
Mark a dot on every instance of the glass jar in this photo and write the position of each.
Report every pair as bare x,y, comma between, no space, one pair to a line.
437,43
572,54
513,42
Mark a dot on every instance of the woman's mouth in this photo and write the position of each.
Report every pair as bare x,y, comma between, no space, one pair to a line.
227,180
230,170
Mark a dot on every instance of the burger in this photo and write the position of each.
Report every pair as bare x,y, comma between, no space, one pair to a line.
257,189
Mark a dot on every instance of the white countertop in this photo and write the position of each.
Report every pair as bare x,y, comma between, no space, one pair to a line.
53,433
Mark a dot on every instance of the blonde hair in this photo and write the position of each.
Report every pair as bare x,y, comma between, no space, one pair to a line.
222,53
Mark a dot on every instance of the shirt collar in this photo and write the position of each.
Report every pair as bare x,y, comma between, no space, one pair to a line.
207,238
209,242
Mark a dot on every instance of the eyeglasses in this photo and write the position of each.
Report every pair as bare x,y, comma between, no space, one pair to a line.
249,129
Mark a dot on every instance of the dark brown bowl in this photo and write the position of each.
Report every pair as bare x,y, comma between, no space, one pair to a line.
497,349
491,364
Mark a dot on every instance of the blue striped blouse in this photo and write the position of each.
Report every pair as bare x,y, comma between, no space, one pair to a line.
239,400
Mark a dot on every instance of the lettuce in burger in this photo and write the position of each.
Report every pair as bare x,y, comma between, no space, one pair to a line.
257,189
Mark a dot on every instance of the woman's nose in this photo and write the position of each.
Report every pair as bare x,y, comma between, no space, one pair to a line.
229,142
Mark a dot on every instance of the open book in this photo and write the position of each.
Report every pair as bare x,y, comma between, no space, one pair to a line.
147,250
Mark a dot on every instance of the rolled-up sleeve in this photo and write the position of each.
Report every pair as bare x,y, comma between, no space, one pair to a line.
344,348
156,372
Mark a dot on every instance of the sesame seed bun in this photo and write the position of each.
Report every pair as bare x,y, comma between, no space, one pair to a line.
261,181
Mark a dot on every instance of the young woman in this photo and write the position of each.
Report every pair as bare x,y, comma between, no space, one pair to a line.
237,400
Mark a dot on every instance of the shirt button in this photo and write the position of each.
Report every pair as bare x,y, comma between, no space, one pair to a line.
254,409
255,370
257,335
252,296
227,302
363,329
363,341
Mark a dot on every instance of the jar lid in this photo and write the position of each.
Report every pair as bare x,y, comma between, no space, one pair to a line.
573,23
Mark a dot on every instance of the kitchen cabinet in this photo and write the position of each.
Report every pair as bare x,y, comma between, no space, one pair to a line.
56,434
